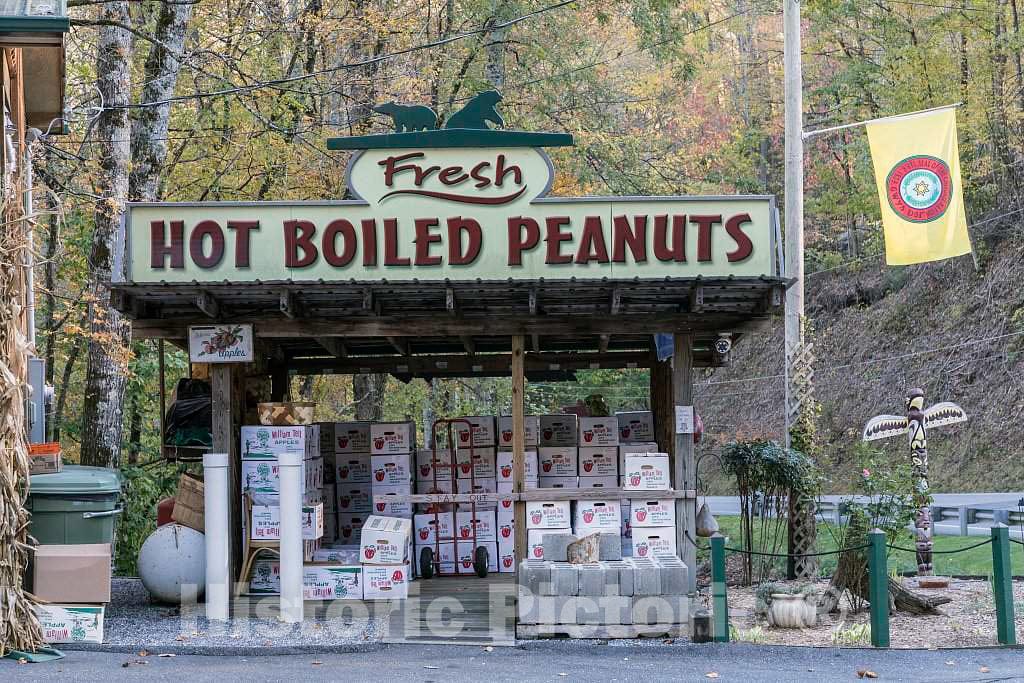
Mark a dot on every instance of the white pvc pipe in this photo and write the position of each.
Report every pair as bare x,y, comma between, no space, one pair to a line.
218,539
290,467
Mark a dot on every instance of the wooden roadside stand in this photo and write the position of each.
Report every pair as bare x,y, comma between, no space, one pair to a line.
451,260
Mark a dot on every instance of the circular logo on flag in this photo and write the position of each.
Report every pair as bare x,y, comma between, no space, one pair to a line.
919,188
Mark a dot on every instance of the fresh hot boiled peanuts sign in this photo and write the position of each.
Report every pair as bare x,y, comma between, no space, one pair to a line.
458,213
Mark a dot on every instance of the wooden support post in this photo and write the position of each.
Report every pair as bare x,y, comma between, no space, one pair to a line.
228,387
661,404
519,444
684,474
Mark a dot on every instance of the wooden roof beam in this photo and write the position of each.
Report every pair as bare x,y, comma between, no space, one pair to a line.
602,345
333,346
449,301
207,304
468,343
616,302
289,304
400,345
697,300
533,301
535,342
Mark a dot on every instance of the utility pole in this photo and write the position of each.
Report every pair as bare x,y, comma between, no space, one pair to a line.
802,536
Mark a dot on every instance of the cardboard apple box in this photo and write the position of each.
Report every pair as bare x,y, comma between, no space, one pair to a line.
484,521
599,482
535,541
558,483
650,541
392,508
548,515
482,428
598,431
345,437
354,498
646,472
482,465
635,426
599,461
70,623
557,430
531,425
466,555
558,461
645,512
427,464
386,582
332,582
506,470
506,560
340,554
391,470
479,486
384,540
269,440
352,468
266,576
266,522
349,526
389,438
640,447
597,515
426,529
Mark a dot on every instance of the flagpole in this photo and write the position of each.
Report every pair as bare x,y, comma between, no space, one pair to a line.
822,131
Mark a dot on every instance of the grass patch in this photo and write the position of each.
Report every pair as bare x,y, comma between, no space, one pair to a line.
975,562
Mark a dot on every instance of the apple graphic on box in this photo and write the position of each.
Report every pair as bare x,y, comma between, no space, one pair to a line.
538,551
379,475
466,563
506,531
369,552
378,444
464,436
506,502
546,466
398,576
507,561
634,480
641,550
588,436
464,530
588,516
641,515
506,471
343,473
547,434
342,442
536,517
344,501
587,466
506,435
425,470
424,533
624,432
381,506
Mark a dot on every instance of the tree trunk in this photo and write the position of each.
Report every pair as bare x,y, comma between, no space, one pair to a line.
49,295
149,129
109,333
134,431
62,389
369,396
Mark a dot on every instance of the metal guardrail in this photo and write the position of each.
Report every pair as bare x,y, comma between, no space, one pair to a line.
949,520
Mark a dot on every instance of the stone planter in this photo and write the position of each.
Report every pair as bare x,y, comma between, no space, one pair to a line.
810,610
787,611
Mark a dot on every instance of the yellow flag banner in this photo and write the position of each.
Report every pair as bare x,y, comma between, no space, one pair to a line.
917,170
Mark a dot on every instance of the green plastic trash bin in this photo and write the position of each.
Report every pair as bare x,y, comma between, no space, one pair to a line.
75,505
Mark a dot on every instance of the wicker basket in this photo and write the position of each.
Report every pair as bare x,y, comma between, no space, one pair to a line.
286,414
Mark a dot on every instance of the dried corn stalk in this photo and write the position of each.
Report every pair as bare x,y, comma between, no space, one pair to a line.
19,628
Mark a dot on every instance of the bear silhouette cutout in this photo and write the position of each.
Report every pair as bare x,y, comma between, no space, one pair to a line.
477,112
408,117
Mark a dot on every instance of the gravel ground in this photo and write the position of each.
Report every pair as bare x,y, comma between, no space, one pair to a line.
132,622
968,621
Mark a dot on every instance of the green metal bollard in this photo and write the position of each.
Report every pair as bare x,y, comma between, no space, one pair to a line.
878,585
721,603
1001,585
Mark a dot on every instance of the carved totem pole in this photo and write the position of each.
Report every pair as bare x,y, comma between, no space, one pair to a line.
916,424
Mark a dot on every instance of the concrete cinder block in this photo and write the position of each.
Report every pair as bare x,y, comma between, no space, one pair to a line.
611,548
661,609
606,610
564,579
597,580
674,576
535,576
624,576
566,609
646,577
556,546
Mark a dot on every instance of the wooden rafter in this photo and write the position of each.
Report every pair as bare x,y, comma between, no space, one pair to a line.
206,303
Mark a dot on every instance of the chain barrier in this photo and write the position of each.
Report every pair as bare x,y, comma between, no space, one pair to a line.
892,546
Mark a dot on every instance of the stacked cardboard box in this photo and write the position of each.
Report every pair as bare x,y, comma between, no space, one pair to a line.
624,450
261,446
505,512
599,452
557,452
652,520
347,456
542,519
384,549
74,582
392,445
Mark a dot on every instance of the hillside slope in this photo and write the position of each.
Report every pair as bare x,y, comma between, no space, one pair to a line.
877,331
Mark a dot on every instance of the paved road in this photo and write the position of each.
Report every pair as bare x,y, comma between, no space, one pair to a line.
558,661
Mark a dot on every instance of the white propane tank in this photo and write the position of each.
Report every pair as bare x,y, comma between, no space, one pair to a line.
172,564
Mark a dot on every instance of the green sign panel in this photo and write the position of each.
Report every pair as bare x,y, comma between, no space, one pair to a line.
461,213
